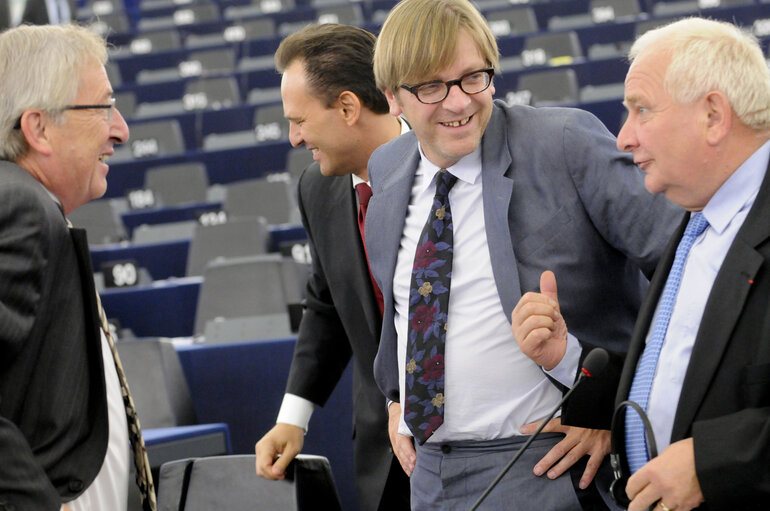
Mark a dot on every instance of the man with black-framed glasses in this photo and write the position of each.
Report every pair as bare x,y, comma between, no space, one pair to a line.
68,428
508,192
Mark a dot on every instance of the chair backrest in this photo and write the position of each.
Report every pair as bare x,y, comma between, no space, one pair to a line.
272,199
238,237
218,60
249,286
512,21
211,93
541,49
270,123
157,382
178,184
345,13
150,139
161,233
102,220
552,87
231,483
158,41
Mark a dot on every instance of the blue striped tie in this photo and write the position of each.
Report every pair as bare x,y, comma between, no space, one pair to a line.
636,444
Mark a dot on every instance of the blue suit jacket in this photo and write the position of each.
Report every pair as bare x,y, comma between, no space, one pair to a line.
557,195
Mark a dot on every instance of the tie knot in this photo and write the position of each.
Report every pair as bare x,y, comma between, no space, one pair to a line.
696,225
445,180
364,194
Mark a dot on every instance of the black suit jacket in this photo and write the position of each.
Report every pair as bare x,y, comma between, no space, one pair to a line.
725,401
53,414
341,319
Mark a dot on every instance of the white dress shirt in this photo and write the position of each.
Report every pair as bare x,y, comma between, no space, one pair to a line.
725,213
491,388
110,488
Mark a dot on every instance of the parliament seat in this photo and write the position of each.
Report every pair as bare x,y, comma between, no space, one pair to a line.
231,483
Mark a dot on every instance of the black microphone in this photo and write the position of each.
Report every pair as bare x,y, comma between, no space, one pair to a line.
593,365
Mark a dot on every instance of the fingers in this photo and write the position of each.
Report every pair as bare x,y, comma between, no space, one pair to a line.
592,467
561,456
276,450
403,448
266,455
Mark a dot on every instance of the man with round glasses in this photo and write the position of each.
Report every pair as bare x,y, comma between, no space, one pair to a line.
508,191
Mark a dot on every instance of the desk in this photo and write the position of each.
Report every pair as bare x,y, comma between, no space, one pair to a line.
243,384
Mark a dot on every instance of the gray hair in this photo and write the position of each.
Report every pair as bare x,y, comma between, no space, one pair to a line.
40,68
708,55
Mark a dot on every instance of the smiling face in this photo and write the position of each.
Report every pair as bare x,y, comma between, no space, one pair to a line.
666,138
323,130
83,141
453,128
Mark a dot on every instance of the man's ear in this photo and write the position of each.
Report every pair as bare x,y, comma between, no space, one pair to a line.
35,125
350,106
719,116
395,107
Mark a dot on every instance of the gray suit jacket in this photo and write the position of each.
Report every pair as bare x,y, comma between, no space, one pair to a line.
342,319
557,196
53,408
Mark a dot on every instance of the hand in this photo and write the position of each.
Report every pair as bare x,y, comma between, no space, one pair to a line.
538,326
65,507
283,439
669,478
577,443
403,447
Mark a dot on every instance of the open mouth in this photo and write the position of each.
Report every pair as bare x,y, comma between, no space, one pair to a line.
104,157
457,124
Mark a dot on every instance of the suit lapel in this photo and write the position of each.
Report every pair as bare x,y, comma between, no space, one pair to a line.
497,191
723,308
388,208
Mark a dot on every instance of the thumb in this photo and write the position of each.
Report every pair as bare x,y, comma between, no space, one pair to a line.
280,465
548,286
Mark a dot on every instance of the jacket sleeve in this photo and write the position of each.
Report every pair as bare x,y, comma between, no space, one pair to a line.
322,350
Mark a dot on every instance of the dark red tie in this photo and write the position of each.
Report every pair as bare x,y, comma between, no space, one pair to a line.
364,194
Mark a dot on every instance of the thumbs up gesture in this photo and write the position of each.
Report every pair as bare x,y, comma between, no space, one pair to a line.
538,326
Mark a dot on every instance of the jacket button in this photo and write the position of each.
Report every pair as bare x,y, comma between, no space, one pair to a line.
75,485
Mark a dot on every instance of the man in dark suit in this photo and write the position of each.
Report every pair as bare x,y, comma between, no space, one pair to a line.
698,99
534,188
337,112
64,436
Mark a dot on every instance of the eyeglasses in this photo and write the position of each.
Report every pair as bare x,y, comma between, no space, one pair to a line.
110,111
437,91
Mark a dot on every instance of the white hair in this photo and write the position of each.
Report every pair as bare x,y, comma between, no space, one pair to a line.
708,55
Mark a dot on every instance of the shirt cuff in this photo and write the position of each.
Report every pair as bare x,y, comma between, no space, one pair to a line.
296,411
565,371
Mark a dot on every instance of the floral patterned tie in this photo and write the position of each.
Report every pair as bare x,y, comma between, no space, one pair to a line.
428,307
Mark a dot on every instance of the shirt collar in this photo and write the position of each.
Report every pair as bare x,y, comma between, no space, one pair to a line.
739,191
468,169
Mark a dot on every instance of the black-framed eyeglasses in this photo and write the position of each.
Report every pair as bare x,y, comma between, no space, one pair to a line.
109,107
437,91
